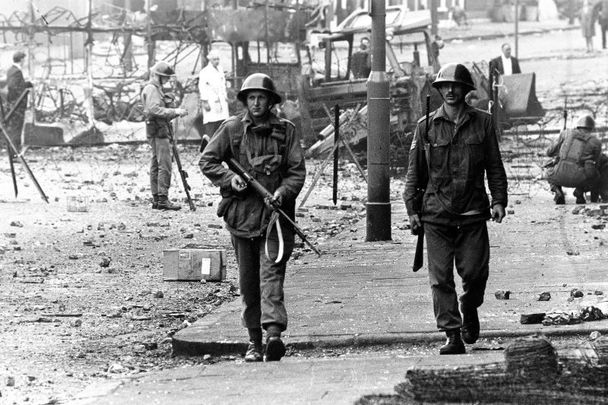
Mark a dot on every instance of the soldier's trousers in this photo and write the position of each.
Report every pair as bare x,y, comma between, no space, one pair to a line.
160,166
261,280
468,249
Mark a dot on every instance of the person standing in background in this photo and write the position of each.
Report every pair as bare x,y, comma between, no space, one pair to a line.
603,21
503,65
213,96
361,61
588,24
16,84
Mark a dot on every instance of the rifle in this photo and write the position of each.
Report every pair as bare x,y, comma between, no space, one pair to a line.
419,231
236,167
565,112
182,173
23,162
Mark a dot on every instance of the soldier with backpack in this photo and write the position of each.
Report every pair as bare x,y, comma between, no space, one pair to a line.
159,114
576,163
269,150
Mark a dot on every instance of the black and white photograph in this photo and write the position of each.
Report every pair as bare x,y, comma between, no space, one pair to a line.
325,202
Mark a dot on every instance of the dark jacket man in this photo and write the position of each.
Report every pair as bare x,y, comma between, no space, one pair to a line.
504,64
268,148
361,61
445,193
16,85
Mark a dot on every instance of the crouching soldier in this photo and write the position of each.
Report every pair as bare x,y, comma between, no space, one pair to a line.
577,162
268,148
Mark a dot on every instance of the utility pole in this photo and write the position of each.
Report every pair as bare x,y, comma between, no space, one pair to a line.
516,13
149,41
434,17
378,139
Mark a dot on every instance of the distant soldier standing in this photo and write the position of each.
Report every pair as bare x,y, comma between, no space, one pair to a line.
268,148
159,131
445,193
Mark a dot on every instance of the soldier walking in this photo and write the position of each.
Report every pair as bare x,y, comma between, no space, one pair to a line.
268,148
445,194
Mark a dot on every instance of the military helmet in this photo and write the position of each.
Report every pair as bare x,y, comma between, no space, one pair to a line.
162,68
259,81
454,73
586,121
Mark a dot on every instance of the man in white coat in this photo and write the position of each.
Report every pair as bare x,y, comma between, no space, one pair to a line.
214,100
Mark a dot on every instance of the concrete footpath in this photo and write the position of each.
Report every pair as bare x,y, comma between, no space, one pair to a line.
359,294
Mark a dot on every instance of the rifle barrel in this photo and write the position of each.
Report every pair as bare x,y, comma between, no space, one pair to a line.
261,190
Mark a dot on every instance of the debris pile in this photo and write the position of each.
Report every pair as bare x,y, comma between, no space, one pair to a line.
533,372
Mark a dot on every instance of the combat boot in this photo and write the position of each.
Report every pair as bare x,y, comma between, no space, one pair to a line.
454,344
559,197
580,196
254,352
155,201
166,205
470,326
275,348
595,196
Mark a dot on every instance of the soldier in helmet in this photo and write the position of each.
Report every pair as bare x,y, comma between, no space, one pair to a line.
159,112
268,148
577,162
454,148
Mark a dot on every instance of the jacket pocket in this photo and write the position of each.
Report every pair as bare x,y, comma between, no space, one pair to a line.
438,150
224,205
156,130
475,150
591,172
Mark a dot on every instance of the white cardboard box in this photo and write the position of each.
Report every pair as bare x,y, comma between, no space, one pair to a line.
194,264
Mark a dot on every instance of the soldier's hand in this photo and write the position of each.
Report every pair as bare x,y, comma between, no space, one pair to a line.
237,183
181,112
276,201
498,213
415,223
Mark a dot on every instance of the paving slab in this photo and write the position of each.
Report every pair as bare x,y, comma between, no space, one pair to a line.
292,381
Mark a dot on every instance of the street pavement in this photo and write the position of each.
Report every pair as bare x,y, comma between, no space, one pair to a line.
361,294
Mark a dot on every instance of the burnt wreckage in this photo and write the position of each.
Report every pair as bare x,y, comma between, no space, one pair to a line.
312,68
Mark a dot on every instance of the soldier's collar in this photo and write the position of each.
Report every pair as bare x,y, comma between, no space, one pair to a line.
441,114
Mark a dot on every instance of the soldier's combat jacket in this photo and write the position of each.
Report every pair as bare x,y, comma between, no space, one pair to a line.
157,113
270,153
460,155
